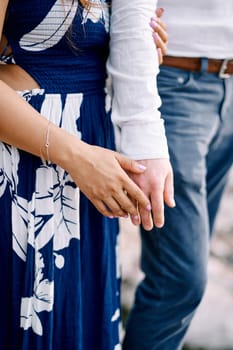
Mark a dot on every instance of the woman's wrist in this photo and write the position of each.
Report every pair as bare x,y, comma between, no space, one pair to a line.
61,147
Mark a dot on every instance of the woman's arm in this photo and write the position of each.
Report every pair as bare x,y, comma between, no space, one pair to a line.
3,7
98,172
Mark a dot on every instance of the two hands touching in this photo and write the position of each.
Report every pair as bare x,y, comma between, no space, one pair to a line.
157,184
157,180
137,189
120,187
123,187
117,186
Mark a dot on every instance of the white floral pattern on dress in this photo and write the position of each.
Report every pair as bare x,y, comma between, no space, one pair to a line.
42,300
52,214
53,27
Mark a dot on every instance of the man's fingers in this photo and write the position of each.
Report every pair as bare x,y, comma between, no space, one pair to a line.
146,219
157,202
169,191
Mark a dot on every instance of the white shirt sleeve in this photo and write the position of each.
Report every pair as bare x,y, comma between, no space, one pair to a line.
133,67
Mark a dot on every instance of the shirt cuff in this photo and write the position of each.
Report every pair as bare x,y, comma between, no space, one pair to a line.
143,141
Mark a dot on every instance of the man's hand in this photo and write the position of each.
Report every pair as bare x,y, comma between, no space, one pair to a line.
157,184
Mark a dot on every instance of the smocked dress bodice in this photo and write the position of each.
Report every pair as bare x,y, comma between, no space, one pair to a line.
59,43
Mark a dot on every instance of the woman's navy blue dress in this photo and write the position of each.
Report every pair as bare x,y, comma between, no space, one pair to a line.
59,277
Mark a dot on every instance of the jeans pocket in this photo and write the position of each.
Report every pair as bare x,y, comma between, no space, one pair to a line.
170,79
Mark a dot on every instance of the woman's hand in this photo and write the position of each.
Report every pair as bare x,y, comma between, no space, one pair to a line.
99,173
101,176
160,34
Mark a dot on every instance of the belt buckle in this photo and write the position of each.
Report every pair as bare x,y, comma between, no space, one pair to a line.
223,68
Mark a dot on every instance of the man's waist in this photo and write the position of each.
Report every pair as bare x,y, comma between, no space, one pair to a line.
223,67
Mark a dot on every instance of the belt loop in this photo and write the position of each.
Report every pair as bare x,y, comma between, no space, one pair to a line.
204,64
223,68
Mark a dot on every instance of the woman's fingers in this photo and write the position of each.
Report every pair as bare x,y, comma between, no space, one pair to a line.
119,203
160,55
134,194
130,165
129,206
114,207
125,202
158,25
102,176
159,11
160,35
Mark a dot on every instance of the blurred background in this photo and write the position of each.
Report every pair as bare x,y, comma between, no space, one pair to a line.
212,326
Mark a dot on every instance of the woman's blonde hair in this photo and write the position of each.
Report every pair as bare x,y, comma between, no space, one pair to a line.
88,4
85,3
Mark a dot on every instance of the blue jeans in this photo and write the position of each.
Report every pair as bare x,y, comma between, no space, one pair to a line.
198,113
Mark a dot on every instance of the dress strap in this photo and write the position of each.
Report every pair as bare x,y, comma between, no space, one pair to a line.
5,55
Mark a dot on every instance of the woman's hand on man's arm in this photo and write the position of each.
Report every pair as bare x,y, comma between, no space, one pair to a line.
160,34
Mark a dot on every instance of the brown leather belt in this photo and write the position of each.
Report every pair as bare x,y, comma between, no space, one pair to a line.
222,67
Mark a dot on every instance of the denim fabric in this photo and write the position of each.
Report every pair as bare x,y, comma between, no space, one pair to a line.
198,113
